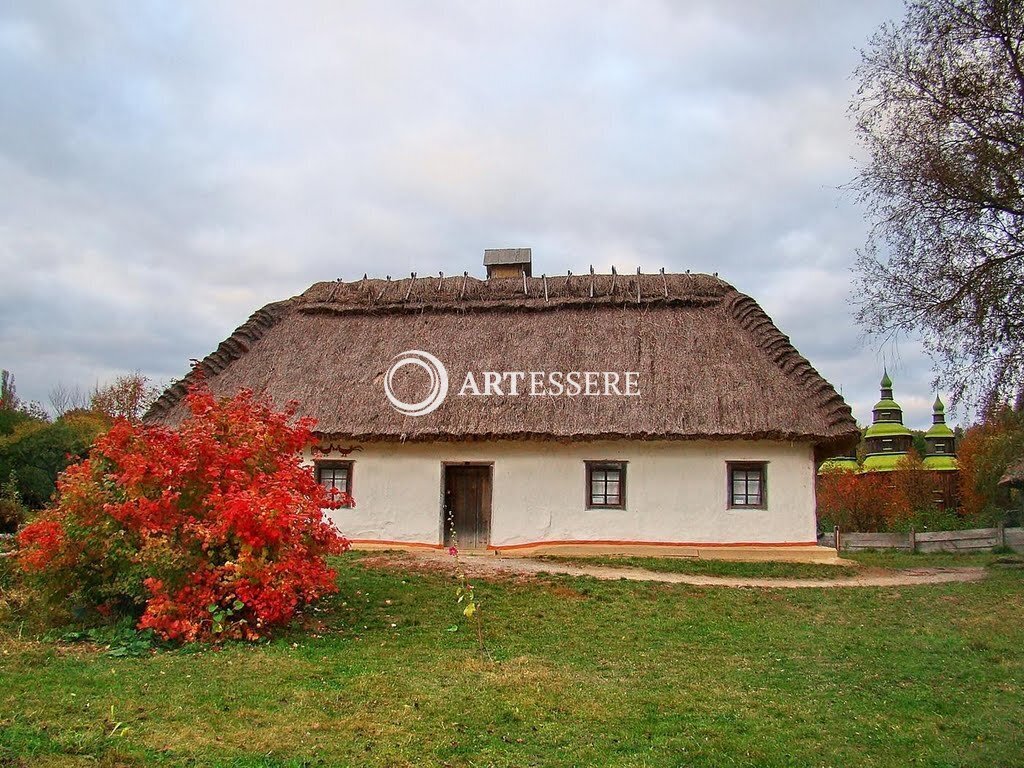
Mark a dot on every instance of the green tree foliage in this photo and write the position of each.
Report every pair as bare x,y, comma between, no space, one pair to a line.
12,509
38,451
8,392
940,111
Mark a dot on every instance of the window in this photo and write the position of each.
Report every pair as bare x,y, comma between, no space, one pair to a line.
887,444
335,474
606,484
747,485
940,447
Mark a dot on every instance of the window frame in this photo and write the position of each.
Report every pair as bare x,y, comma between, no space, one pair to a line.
746,466
335,464
604,464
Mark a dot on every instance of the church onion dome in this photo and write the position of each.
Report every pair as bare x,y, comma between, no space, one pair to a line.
939,428
888,439
941,442
886,410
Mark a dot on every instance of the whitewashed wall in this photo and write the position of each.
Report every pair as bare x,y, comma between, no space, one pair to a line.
676,492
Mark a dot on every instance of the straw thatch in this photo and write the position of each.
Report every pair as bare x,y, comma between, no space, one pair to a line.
1014,475
711,362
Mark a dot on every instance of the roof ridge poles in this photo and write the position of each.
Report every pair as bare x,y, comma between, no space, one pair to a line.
386,284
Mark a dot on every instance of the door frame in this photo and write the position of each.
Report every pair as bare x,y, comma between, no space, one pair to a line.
489,465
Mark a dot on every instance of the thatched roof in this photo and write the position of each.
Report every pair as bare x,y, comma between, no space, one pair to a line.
711,362
1014,475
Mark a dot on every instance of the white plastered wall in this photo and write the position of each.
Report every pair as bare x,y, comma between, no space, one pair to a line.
676,492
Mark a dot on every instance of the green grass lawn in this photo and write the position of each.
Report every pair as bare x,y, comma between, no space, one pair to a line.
779,570
581,672
703,567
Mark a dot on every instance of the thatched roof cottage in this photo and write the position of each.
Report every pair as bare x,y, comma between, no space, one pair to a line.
603,410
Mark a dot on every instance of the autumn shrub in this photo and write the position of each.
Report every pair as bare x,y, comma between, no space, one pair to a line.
855,501
210,530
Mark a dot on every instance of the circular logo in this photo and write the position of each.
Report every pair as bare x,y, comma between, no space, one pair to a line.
438,382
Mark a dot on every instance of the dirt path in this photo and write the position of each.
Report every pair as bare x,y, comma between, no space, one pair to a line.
524,567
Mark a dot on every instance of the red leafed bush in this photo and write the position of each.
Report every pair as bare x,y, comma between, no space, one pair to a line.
212,530
855,502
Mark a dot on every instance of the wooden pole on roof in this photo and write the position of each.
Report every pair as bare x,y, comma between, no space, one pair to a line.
526,290
412,281
440,281
544,279
465,279
591,281
614,276
664,282
638,285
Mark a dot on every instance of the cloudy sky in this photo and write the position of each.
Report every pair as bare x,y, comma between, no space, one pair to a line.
166,168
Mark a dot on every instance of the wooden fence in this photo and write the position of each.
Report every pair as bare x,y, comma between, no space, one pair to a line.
970,540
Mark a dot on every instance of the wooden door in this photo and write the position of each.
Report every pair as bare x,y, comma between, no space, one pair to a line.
467,505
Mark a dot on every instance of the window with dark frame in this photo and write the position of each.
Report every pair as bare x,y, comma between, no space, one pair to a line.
606,485
335,474
748,485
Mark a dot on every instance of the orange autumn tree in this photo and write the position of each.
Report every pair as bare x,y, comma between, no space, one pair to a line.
211,530
986,451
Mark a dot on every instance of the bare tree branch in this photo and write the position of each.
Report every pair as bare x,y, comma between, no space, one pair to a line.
940,111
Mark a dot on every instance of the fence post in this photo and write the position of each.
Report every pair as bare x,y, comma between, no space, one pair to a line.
837,537
1002,533
913,540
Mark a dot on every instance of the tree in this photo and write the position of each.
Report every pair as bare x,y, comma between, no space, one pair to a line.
38,451
128,397
986,451
940,111
8,392
64,398
212,530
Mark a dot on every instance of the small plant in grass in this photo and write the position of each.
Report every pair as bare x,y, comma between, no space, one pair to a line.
210,531
465,592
